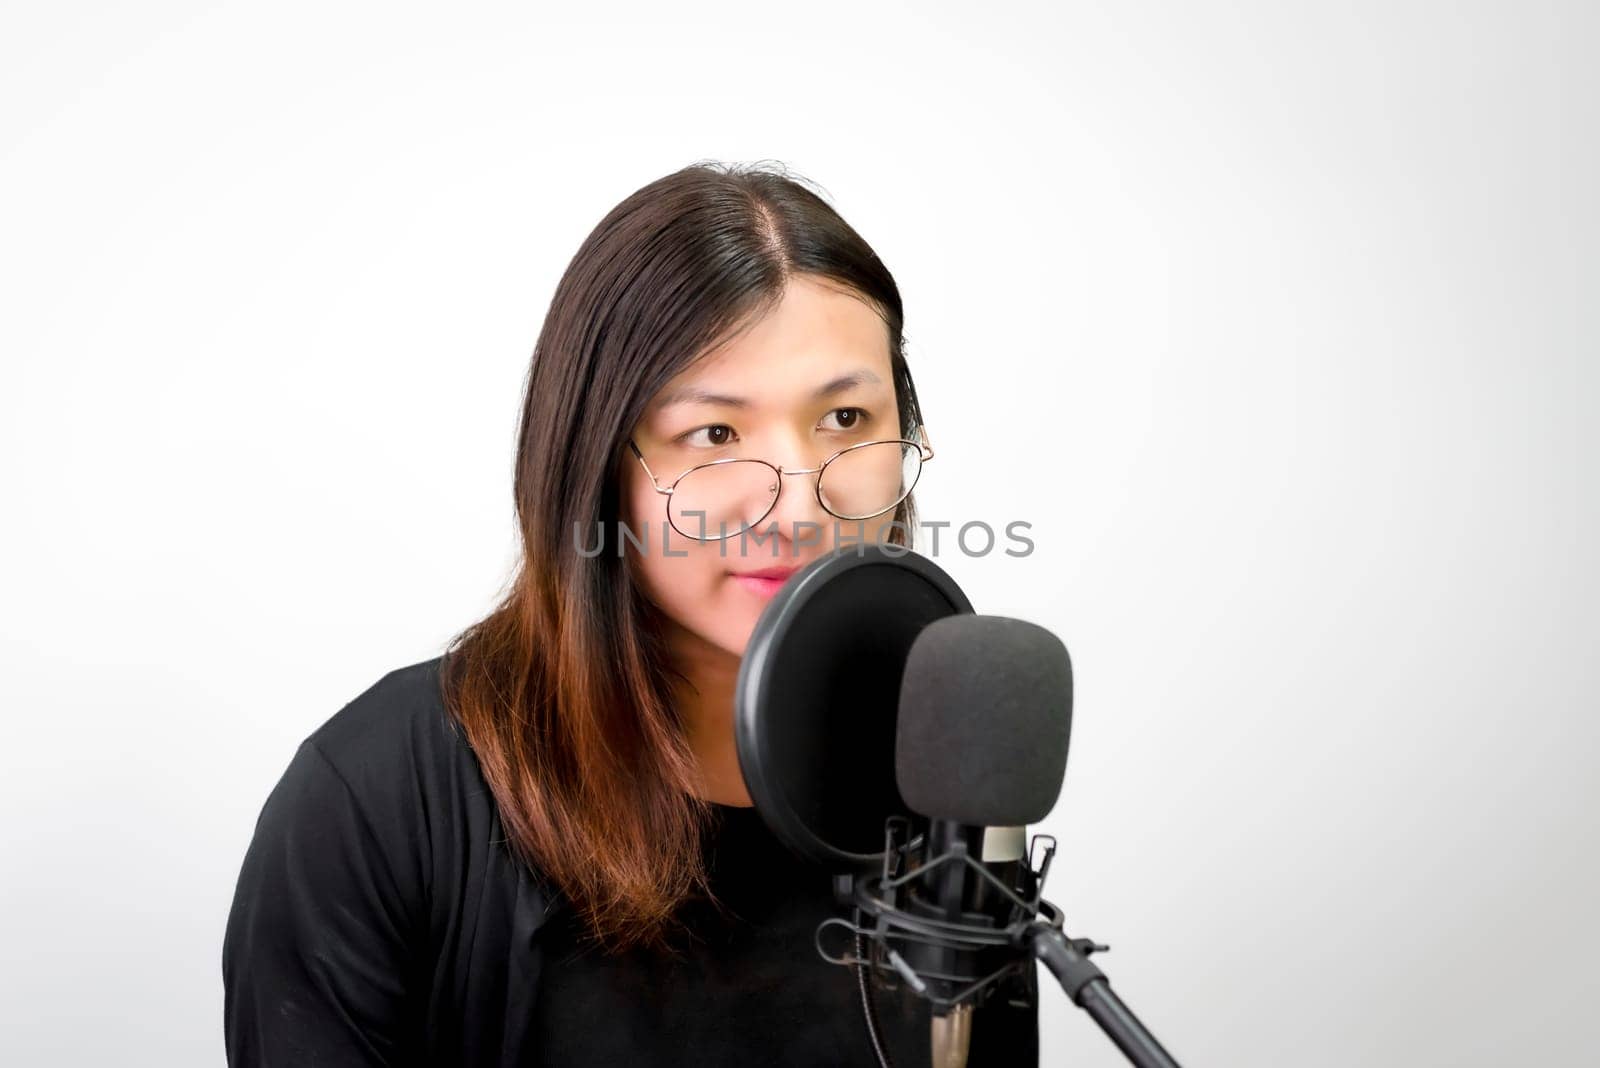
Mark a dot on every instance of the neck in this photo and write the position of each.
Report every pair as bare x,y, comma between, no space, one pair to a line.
704,699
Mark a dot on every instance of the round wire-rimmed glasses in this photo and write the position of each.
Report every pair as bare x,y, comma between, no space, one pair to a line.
858,482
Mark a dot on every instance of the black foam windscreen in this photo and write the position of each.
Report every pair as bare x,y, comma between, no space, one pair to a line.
818,690
985,718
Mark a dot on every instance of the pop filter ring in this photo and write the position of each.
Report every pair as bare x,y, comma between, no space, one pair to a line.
755,681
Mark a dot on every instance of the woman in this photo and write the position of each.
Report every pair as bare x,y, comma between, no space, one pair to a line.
537,849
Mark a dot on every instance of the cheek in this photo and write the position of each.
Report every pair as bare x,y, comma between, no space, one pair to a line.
691,586
877,530
640,502
864,531
694,590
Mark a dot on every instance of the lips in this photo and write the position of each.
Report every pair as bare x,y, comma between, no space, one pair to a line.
764,583
779,573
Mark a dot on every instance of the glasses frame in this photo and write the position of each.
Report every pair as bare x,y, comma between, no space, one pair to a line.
924,449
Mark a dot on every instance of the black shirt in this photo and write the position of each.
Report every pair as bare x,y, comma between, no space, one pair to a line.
381,919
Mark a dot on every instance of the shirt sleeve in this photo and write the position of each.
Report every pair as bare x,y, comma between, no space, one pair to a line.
319,959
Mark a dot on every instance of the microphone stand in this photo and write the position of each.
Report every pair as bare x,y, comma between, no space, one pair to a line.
1090,990
953,954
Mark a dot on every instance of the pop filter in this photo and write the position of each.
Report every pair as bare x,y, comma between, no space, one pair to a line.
818,694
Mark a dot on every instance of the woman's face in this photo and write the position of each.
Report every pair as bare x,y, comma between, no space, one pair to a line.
810,378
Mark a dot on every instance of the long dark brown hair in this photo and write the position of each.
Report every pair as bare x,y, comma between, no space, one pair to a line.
563,690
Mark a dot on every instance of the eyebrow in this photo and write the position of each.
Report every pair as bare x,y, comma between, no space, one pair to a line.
696,395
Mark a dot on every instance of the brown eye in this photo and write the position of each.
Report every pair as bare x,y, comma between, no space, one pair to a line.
849,418
716,435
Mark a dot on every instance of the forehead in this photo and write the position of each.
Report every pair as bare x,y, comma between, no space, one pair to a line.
816,332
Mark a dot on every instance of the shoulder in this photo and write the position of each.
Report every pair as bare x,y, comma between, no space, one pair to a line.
386,784
396,734
335,897
396,763
396,757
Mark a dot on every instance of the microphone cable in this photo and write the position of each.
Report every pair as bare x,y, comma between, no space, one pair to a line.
869,1005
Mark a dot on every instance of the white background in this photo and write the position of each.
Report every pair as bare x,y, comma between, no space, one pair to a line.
1276,321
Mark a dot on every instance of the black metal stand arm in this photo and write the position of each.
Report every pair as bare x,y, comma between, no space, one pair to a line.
1090,990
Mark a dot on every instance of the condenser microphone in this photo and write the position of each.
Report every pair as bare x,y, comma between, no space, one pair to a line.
981,740
980,751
